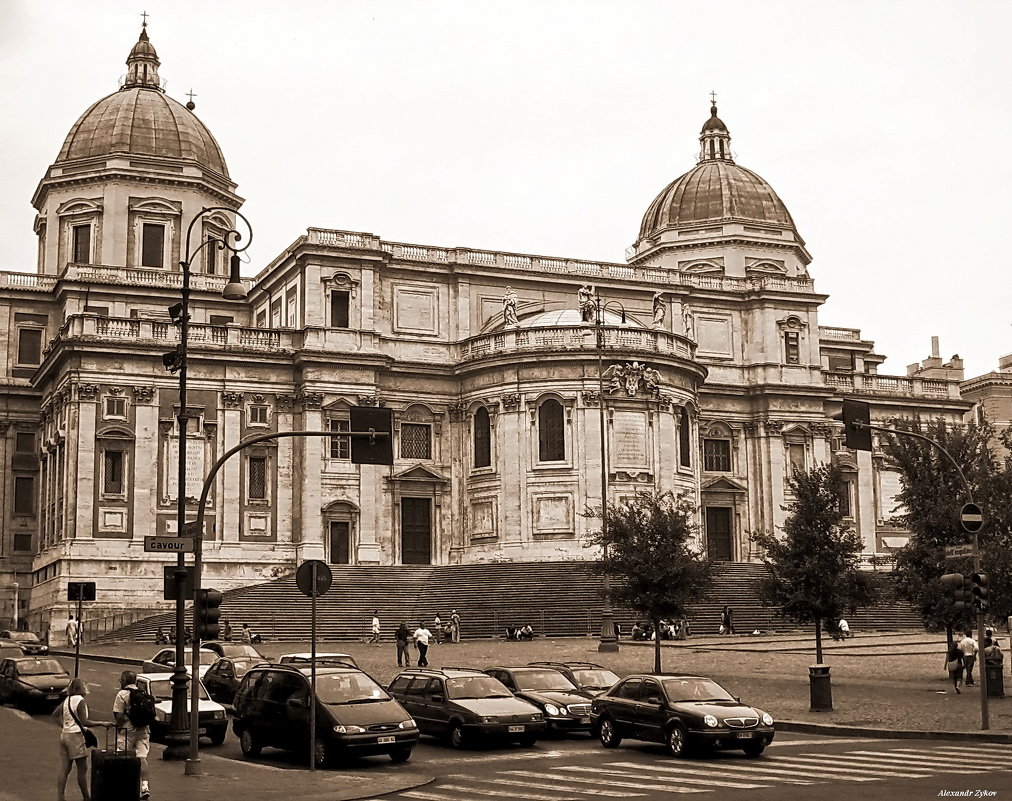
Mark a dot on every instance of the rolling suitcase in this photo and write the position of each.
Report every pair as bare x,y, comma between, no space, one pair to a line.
115,774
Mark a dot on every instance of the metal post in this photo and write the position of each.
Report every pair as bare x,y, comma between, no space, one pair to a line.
312,672
609,642
80,634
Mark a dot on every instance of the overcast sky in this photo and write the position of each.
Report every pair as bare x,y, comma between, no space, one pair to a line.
548,127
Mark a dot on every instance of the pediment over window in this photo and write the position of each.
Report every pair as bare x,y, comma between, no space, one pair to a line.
155,205
703,268
80,205
419,473
724,484
766,268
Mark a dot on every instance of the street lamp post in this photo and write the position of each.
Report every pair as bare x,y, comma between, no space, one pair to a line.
609,642
177,737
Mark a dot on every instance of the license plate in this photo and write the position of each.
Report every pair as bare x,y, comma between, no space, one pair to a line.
585,719
202,731
383,740
513,729
744,735
52,697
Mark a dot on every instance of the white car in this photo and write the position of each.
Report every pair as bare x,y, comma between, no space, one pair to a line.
322,659
165,661
212,718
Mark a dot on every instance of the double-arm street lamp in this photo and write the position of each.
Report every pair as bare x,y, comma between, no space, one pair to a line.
609,642
178,734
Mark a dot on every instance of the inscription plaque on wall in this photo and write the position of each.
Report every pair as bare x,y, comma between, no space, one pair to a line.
630,439
194,467
415,310
889,488
553,513
714,335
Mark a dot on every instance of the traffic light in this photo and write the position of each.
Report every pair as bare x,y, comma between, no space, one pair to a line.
856,417
980,591
173,359
958,591
206,613
377,448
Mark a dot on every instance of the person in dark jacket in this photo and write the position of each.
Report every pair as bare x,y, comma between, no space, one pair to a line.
403,638
954,664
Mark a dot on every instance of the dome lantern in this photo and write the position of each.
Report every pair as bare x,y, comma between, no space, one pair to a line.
714,139
142,64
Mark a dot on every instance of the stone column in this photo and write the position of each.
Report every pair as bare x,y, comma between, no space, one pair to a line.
230,501
145,478
308,477
79,478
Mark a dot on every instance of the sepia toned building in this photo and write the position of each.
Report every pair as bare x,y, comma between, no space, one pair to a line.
717,379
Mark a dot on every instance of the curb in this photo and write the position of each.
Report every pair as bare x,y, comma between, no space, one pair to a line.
839,730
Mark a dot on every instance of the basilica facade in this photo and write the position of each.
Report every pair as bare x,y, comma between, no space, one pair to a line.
699,364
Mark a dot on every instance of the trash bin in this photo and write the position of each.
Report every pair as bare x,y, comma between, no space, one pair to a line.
995,681
821,689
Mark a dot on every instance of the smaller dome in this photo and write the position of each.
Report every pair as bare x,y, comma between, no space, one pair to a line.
571,317
714,123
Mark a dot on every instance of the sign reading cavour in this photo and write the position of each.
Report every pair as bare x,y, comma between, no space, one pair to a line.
168,544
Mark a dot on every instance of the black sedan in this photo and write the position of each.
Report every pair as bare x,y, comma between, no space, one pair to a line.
32,682
590,679
681,712
549,691
29,643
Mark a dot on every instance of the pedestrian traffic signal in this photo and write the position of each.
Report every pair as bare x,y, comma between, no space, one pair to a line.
206,613
856,417
980,592
958,591
371,435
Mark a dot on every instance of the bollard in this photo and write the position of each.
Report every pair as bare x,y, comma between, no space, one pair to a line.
995,680
821,689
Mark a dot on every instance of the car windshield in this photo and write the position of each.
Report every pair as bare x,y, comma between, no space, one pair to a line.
240,651
206,658
695,690
161,689
22,636
348,688
542,680
596,679
40,667
476,687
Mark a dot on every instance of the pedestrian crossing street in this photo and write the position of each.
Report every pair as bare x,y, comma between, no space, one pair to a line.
618,778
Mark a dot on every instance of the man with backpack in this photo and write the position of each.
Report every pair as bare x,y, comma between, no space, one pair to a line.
134,711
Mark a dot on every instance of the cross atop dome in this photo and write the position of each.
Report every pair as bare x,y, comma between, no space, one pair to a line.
714,139
143,63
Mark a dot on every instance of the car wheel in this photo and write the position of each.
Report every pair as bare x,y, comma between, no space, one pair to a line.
217,736
676,740
754,749
608,734
400,755
249,744
529,742
455,736
321,753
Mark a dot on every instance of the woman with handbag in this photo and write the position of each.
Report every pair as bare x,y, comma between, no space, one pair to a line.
75,737
954,664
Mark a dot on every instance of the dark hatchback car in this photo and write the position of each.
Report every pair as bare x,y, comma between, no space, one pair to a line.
234,650
681,712
33,683
463,705
223,676
354,715
549,691
29,643
589,678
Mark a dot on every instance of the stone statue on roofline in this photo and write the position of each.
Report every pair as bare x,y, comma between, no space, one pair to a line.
660,310
585,294
509,307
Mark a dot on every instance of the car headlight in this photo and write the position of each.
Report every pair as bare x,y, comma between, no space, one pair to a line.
710,721
537,717
348,730
767,719
407,724
552,709
489,719
33,690
218,714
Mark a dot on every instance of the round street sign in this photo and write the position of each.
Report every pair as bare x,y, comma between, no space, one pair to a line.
304,578
971,518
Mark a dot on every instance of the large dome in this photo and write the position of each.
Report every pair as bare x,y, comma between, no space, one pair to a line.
716,190
140,119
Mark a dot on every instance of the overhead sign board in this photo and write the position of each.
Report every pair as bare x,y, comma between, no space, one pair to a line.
971,518
959,550
168,544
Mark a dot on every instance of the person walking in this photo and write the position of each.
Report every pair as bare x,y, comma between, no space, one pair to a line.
422,636
727,620
72,631
454,626
437,626
403,638
374,636
131,737
968,646
246,635
954,664
72,715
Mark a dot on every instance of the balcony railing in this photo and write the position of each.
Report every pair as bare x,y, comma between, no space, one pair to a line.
891,385
33,281
123,328
575,338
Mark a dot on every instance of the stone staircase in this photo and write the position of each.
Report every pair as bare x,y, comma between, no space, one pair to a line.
556,598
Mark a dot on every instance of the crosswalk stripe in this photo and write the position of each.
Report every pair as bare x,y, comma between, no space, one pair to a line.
612,783
830,764
427,796
961,750
472,789
655,782
722,771
556,786
785,761
497,757
883,760
951,763
833,741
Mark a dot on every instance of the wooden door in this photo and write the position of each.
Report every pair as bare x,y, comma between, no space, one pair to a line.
718,533
416,531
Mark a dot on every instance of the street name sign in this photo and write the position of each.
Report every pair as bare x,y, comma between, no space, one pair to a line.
965,549
168,544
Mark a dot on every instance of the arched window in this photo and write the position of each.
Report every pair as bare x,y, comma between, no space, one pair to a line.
482,438
684,444
551,432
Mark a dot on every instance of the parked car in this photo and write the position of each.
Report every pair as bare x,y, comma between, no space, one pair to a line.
334,660
463,705
222,678
9,650
165,661
235,650
355,716
29,643
549,691
589,678
212,718
681,712
32,683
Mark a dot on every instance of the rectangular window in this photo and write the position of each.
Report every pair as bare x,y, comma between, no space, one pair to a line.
153,245
276,314
221,319
792,347
30,346
796,456
112,473
340,447
262,319
416,441
24,495
257,478
684,443
82,244
211,256
115,407
841,362
846,490
22,542
24,442
339,305
717,455
258,415
292,309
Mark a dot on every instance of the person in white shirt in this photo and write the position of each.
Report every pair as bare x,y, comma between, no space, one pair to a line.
844,628
968,646
73,750
422,636
374,637
72,631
